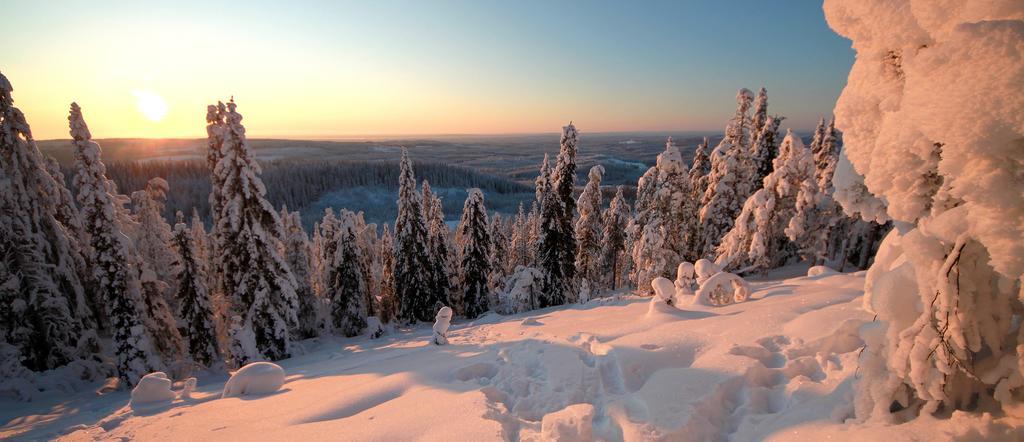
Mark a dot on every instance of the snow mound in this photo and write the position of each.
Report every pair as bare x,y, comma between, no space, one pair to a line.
153,389
684,277
820,271
572,423
705,269
255,378
664,290
722,288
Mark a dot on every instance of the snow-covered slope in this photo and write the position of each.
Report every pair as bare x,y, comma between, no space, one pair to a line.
777,367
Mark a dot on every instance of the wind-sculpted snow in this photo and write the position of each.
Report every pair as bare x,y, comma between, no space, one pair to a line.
777,367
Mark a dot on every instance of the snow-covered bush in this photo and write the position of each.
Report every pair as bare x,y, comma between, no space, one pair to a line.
254,378
153,389
522,290
442,321
932,120
705,269
820,270
722,288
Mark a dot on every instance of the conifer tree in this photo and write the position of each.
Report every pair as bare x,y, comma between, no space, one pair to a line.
519,242
558,239
152,235
533,235
699,170
112,256
765,148
498,254
297,255
760,115
416,299
256,279
195,304
346,287
589,230
42,249
758,238
667,219
440,270
613,239
388,300
473,242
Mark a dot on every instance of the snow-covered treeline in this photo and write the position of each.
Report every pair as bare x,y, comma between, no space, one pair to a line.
183,299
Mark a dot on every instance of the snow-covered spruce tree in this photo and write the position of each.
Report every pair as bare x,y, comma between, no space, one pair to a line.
760,115
819,228
533,235
473,244
816,138
589,230
699,170
440,270
666,211
932,117
92,311
519,243
297,255
498,254
152,234
111,254
730,180
557,251
346,287
195,307
216,127
827,156
388,301
416,299
366,241
765,148
613,240
51,291
256,279
542,184
757,239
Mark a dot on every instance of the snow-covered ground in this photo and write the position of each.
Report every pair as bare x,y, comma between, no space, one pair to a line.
778,367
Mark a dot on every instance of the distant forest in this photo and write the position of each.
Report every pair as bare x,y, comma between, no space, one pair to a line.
311,186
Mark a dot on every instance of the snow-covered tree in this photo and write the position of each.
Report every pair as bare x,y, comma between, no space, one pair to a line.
498,254
439,247
613,240
416,299
256,279
473,243
730,180
111,254
932,118
152,235
699,170
760,115
589,230
521,291
346,287
51,300
298,256
557,251
667,212
519,243
195,306
758,236
388,301
765,148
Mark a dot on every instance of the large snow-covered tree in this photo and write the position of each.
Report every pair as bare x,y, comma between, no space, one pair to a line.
765,148
499,252
50,298
152,235
256,279
112,255
557,250
589,230
417,301
195,306
473,244
345,285
933,121
757,239
520,252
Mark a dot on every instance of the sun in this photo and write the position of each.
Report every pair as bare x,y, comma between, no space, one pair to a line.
152,106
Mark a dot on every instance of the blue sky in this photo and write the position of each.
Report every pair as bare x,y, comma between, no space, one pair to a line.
322,68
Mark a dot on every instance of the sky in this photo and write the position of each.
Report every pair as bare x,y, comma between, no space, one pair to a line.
336,69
